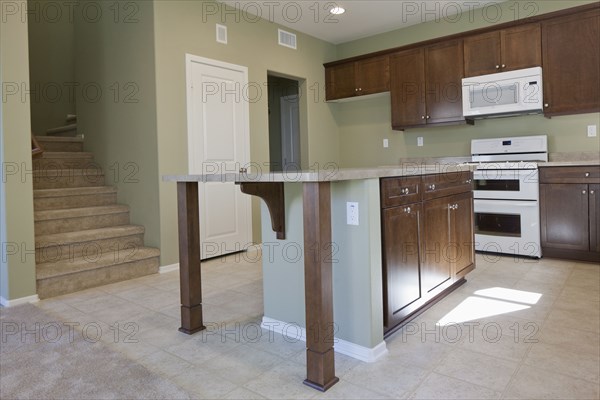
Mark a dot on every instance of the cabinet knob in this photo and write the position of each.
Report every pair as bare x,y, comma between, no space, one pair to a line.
592,192
497,67
587,174
407,210
503,65
356,89
428,117
546,105
243,170
405,191
468,181
584,192
422,117
432,187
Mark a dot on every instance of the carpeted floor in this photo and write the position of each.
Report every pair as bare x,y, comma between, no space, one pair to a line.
49,363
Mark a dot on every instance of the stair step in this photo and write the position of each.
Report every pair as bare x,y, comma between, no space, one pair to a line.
77,219
58,278
67,178
57,199
59,143
89,243
64,160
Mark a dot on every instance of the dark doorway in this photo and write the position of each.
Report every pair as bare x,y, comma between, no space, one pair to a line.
284,123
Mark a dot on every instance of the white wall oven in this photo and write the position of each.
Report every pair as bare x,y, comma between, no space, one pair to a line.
506,194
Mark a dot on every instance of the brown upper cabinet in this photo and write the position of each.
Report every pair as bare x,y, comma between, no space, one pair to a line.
503,50
425,85
572,64
357,78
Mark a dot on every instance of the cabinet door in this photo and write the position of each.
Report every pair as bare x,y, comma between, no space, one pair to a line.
400,261
444,69
571,56
372,75
407,87
564,216
435,265
461,248
339,81
482,54
594,204
521,47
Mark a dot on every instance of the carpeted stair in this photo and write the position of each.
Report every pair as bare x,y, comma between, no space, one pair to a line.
83,237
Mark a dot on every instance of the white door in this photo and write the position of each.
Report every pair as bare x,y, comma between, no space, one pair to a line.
218,142
290,133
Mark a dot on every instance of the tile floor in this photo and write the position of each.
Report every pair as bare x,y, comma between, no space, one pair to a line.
500,344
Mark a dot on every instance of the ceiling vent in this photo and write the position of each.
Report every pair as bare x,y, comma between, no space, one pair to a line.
221,34
287,39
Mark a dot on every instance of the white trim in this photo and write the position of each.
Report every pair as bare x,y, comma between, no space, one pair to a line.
349,349
168,268
17,302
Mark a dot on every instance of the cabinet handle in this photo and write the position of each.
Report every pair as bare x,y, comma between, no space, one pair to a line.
243,170
587,174
497,67
584,192
405,191
407,210
468,181
431,187
453,206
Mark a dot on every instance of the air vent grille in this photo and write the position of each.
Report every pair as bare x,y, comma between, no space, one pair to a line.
221,34
287,39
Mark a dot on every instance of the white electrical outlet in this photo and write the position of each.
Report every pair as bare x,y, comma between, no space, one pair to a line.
386,143
352,213
420,141
592,130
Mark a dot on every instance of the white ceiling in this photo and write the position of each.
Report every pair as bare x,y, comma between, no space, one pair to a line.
362,17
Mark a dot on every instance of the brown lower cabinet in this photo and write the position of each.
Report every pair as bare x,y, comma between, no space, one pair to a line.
427,226
570,212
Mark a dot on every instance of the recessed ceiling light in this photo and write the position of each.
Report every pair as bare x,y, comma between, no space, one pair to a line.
337,10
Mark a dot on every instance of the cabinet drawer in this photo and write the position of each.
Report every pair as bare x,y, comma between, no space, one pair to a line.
440,185
588,174
400,191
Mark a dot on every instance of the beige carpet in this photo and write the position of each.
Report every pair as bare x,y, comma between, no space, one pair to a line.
46,364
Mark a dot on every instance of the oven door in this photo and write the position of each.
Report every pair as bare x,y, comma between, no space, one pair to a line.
513,184
508,226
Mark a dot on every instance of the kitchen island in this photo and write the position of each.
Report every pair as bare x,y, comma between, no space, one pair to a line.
314,263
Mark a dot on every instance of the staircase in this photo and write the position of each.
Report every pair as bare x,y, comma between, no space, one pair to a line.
83,238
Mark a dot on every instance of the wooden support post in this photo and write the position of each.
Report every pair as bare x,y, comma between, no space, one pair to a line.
188,215
318,281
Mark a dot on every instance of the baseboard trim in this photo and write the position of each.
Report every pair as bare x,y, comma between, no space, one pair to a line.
349,349
17,302
168,268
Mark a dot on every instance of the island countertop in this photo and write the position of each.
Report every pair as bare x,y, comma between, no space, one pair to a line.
325,173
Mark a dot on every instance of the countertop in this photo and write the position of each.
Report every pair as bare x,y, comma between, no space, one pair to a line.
326,173
593,163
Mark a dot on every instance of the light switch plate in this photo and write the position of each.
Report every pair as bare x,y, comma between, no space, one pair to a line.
592,130
352,213
386,143
420,141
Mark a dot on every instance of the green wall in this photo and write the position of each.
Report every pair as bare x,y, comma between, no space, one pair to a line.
185,27
363,124
17,252
51,64
117,112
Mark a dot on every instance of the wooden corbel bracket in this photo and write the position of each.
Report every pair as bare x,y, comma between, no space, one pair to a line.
272,194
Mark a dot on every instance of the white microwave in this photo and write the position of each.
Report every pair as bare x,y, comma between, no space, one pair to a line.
503,94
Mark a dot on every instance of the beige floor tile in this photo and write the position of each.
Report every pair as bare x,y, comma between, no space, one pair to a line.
489,341
242,364
343,363
284,381
347,390
165,364
586,320
202,347
578,365
242,394
203,384
422,351
442,387
387,376
483,370
573,340
534,383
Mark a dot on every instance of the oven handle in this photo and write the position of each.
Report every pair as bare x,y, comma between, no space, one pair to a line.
505,203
